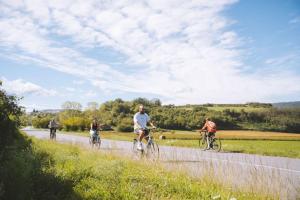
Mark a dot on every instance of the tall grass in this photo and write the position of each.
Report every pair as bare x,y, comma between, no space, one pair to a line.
62,171
105,176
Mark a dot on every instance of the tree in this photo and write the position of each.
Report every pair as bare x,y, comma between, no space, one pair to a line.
10,113
92,106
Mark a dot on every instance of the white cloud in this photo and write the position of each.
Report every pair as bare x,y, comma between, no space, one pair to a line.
78,82
181,50
21,87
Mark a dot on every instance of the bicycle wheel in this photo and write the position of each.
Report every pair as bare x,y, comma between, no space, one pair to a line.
98,143
216,144
52,135
152,151
203,143
137,154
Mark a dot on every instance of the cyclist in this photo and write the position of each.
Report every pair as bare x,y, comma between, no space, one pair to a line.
140,121
210,127
52,126
94,130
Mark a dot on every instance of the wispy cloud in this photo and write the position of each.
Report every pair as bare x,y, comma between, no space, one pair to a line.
23,88
295,20
181,50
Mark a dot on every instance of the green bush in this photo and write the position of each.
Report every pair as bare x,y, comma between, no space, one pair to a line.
74,124
41,122
125,125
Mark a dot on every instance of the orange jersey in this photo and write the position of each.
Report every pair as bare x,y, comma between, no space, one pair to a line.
210,127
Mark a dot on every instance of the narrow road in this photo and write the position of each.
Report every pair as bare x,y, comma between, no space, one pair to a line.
274,175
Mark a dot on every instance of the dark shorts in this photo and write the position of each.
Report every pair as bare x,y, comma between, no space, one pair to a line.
95,137
138,131
211,134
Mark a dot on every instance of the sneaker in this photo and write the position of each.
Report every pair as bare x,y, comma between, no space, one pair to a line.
139,146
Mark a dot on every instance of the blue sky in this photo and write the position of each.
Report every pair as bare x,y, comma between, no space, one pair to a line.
201,51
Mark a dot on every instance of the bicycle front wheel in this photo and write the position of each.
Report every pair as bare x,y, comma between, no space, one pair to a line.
152,151
203,143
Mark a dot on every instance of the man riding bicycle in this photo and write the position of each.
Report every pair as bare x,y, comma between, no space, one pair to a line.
140,121
210,127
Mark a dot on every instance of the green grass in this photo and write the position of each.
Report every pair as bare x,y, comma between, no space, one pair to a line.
94,175
262,147
269,148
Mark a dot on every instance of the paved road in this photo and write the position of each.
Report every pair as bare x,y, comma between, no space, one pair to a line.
276,175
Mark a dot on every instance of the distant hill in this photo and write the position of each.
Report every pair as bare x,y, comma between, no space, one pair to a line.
50,111
292,104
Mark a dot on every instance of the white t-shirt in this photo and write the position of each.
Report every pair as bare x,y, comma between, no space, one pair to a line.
140,120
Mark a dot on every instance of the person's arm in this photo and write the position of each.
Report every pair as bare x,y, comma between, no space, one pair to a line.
204,127
91,126
150,122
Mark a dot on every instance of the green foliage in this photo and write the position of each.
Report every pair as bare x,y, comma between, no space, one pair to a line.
41,121
119,114
125,125
75,124
9,118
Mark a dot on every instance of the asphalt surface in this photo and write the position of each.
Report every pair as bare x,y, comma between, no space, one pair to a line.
274,175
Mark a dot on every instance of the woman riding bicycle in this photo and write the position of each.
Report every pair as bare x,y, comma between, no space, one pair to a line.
94,130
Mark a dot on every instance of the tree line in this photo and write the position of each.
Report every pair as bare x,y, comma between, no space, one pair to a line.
118,114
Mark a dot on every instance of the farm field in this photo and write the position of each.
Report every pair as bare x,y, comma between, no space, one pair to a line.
252,142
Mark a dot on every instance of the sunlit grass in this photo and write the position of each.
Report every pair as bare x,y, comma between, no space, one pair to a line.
97,175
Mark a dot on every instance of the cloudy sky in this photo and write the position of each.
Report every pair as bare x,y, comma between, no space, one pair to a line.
197,51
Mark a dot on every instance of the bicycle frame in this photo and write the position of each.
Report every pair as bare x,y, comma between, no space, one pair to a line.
150,146
208,139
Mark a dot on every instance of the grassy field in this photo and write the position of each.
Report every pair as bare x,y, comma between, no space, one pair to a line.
252,142
61,171
261,147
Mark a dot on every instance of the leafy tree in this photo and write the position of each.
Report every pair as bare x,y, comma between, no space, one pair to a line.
10,113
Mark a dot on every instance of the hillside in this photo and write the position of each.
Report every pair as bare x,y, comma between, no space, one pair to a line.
292,104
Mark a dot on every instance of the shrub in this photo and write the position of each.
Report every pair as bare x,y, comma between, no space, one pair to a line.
125,125
74,124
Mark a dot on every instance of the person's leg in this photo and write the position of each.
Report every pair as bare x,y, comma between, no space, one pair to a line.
141,135
211,137
140,138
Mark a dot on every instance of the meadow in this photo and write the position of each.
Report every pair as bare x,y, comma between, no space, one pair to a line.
48,170
252,142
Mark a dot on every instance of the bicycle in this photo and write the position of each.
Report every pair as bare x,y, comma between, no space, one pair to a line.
95,140
152,148
207,142
52,134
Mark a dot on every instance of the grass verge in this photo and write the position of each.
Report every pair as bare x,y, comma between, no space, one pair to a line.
60,171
